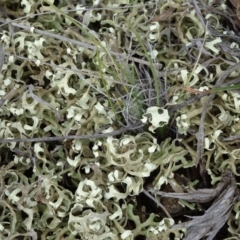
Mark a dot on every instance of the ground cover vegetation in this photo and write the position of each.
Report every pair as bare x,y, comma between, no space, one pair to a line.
119,119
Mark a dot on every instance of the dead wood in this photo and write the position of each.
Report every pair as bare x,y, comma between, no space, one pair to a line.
208,225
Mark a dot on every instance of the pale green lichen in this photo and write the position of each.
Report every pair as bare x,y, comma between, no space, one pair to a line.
89,189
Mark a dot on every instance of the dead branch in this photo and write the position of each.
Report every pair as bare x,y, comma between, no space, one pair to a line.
216,216
72,137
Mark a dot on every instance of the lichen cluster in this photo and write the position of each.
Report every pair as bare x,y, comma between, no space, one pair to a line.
81,67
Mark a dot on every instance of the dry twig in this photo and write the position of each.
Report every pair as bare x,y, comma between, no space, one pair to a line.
200,134
2,54
73,137
157,202
41,101
11,94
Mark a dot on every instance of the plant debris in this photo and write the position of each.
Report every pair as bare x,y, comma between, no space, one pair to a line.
99,99
225,195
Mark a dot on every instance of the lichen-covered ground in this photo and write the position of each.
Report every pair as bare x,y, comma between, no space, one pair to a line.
119,119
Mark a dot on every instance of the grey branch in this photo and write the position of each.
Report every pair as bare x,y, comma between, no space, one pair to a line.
72,137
